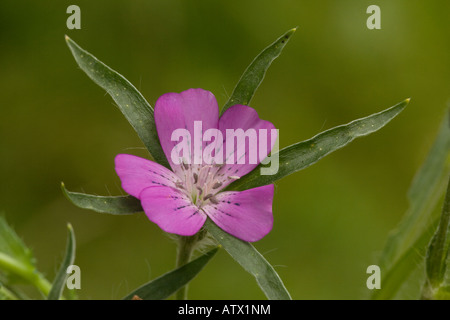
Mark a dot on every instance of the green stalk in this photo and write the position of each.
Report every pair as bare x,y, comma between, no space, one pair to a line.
25,272
186,247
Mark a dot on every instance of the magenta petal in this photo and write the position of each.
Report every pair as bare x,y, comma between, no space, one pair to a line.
246,215
179,111
244,117
172,211
137,173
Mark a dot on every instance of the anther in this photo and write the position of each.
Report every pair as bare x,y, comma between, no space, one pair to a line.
207,197
214,200
179,185
217,185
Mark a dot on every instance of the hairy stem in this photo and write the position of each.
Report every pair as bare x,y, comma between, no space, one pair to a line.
185,249
25,272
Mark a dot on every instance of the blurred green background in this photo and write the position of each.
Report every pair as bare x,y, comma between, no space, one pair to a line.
331,220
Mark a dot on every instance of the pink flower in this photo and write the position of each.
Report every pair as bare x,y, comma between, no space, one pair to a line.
179,201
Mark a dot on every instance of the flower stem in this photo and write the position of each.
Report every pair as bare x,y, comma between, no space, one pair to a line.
185,249
25,272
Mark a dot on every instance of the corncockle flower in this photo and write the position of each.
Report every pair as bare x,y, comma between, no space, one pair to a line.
179,201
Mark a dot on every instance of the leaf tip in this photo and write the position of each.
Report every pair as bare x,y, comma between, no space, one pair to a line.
66,37
404,103
401,105
63,188
289,33
64,191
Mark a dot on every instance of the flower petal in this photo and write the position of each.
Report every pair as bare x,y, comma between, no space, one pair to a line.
137,173
245,118
246,215
179,111
172,211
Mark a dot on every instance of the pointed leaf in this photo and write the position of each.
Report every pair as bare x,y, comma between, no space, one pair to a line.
60,279
241,251
255,72
394,277
438,249
117,205
252,261
129,100
426,190
406,247
303,154
169,283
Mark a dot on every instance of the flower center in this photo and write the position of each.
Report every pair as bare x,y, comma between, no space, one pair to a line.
202,182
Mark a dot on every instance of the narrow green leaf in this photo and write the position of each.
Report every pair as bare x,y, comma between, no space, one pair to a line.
438,248
426,190
394,277
252,261
241,251
117,205
255,72
60,279
129,100
169,283
303,154
406,246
